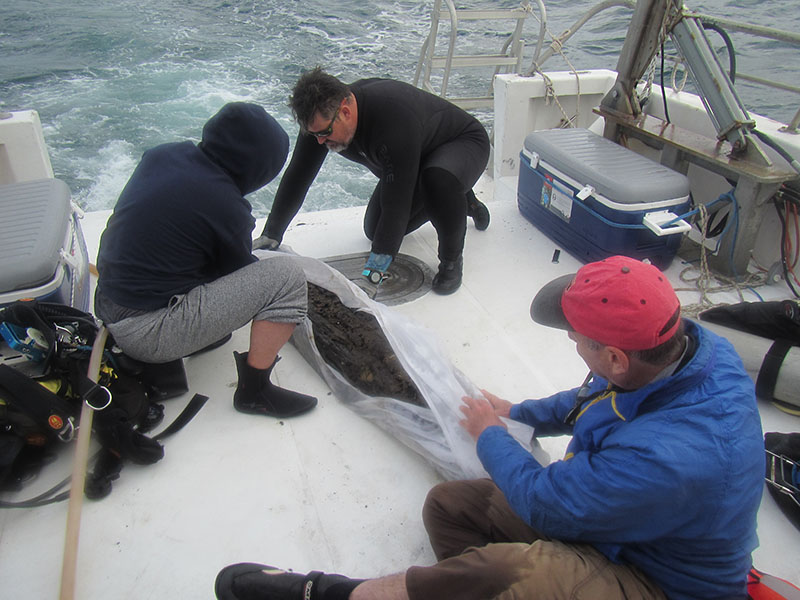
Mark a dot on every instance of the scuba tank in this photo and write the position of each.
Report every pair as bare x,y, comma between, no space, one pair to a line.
766,335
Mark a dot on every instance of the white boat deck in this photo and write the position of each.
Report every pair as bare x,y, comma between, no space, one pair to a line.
327,490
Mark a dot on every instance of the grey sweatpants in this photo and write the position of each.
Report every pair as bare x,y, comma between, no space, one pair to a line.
272,289
486,551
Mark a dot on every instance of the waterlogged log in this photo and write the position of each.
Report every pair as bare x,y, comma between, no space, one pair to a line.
353,343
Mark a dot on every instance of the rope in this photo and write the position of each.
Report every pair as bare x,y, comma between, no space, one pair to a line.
678,87
558,47
649,77
707,283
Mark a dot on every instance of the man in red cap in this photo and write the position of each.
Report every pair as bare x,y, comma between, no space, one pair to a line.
655,498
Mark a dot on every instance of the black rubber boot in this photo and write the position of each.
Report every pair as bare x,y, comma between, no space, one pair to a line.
448,279
478,211
256,394
250,581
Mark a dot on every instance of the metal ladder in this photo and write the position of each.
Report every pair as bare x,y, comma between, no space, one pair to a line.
509,59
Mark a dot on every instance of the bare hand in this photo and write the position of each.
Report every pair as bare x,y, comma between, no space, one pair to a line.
479,414
502,408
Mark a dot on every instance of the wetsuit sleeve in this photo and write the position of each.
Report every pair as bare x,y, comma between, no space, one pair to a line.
399,154
547,415
307,159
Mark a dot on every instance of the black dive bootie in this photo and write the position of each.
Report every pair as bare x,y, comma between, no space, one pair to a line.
256,394
448,279
250,581
478,211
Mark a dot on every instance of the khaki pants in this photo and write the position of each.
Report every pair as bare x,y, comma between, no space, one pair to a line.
486,551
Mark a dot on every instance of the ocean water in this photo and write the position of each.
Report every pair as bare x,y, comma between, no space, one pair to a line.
111,79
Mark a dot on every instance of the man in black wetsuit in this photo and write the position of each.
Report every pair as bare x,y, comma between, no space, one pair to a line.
426,152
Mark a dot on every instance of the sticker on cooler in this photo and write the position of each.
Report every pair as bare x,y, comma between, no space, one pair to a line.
557,199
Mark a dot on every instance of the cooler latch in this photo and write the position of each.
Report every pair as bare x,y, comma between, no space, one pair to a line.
532,157
663,222
585,193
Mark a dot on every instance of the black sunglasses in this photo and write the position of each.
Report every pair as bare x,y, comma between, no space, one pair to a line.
329,129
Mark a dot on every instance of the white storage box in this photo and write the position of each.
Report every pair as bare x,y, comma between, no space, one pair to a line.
42,250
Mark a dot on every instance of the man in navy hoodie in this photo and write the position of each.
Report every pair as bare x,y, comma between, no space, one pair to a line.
655,498
176,269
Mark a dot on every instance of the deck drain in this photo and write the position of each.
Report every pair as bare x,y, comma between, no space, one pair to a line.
409,278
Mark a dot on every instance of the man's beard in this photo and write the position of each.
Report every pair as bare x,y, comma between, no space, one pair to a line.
336,146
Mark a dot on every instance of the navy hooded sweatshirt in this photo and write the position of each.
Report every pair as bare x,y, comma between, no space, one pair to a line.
182,219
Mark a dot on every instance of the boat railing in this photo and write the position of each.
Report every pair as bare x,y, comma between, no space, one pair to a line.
720,24
510,57
558,42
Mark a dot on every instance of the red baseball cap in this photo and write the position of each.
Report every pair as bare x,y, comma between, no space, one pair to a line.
618,301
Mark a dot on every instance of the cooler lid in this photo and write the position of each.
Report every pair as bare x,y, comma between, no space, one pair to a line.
34,221
615,172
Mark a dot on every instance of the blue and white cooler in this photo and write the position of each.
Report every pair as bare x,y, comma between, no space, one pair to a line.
42,250
597,199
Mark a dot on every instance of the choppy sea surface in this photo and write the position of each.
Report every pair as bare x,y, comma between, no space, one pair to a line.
111,79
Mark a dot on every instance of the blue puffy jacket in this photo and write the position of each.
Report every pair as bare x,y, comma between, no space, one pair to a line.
667,478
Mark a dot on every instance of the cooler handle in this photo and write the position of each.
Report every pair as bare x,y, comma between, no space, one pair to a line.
532,157
663,222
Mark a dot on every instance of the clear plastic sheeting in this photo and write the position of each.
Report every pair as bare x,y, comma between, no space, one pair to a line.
433,431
